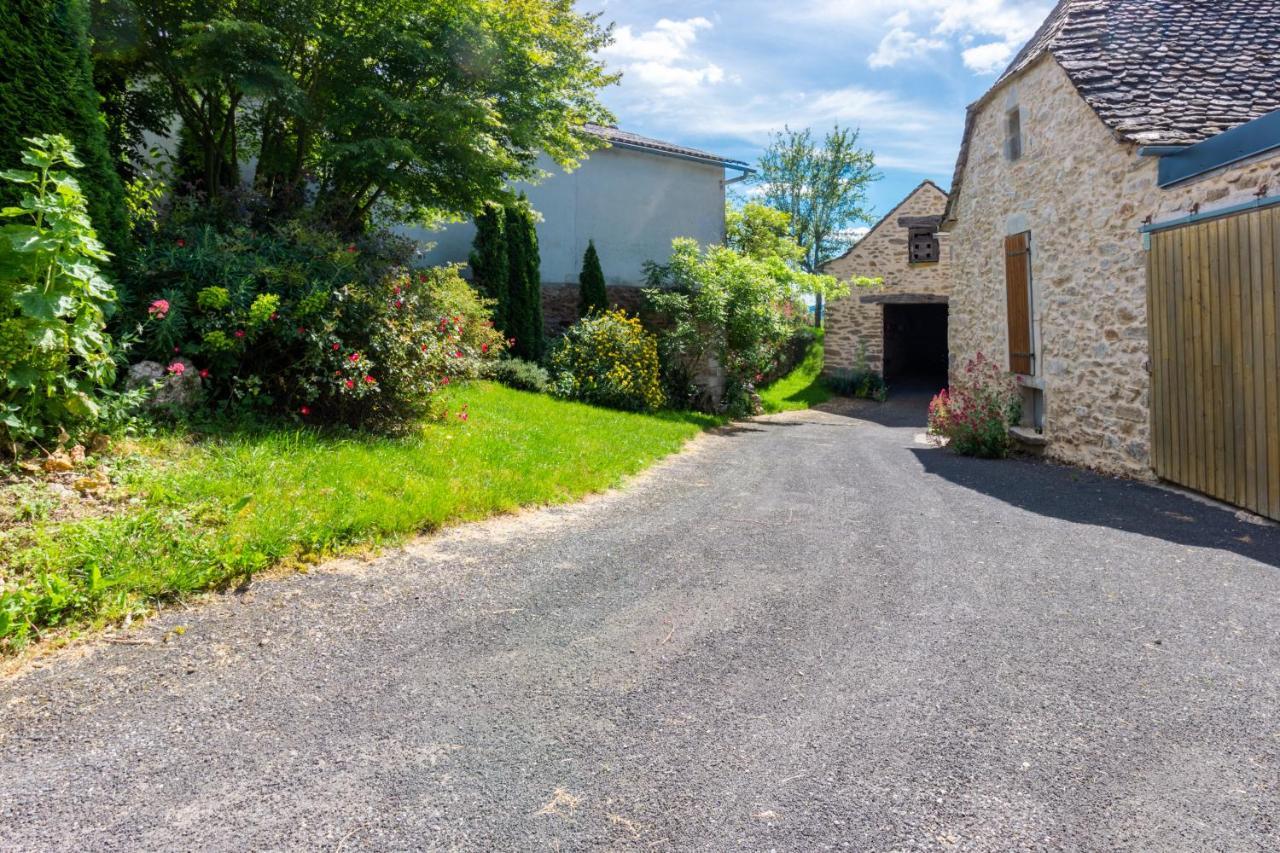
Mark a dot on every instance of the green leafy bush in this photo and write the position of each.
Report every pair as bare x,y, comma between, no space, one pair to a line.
294,320
55,356
975,413
720,304
519,374
860,381
610,360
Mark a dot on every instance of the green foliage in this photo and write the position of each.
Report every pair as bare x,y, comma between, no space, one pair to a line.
720,304
524,283
489,260
859,381
975,413
295,321
519,374
194,515
822,187
823,190
48,89
593,296
461,98
610,360
803,387
55,356
759,231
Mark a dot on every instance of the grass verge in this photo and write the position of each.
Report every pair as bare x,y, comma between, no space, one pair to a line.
191,516
803,387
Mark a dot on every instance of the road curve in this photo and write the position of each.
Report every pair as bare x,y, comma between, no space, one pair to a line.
807,632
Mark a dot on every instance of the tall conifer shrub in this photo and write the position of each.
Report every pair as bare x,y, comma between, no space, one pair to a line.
48,89
592,294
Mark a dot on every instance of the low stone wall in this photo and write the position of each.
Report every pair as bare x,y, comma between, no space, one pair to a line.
560,304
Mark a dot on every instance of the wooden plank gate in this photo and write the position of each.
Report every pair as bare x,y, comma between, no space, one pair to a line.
1213,301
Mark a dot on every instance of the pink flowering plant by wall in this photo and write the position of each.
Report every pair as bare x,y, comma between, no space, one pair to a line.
975,413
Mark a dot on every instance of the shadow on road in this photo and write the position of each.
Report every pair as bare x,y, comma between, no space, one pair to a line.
1086,498
906,407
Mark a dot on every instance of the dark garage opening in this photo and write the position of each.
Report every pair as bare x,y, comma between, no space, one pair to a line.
915,346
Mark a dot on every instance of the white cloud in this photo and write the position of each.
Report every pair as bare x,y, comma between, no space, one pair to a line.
901,44
994,24
661,59
988,58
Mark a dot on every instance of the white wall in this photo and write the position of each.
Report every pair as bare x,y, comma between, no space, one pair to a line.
632,203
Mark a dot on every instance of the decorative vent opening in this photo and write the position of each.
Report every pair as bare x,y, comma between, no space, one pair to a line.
923,245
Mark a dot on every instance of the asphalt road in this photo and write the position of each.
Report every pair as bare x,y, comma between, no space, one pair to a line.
810,632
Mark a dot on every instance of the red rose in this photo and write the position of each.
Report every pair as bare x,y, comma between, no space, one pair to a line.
304,411
239,333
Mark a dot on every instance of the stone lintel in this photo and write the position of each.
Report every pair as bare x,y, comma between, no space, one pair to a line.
904,299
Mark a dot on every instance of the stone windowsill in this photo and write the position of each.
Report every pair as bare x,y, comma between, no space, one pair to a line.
1026,381
1028,436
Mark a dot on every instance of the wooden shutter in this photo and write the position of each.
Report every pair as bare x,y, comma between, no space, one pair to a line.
1017,277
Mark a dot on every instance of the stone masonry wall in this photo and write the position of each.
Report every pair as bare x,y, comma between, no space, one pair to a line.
560,304
1083,196
852,324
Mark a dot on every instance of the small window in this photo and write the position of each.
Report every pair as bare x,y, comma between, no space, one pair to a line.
923,245
1013,136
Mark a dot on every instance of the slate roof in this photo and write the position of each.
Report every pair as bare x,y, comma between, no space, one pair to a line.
1157,72
1165,72
627,139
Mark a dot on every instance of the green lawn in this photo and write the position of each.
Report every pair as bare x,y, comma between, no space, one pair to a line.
802,388
213,512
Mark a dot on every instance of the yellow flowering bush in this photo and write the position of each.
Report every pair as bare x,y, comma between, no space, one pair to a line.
610,360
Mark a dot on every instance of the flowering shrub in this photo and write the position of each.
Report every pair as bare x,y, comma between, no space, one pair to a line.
297,322
610,360
975,413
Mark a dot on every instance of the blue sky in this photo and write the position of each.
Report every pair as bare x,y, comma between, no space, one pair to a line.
722,74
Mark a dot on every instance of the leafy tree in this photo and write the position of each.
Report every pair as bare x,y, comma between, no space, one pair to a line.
461,98
489,265
821,186
49,90
763,233
759,231
593,297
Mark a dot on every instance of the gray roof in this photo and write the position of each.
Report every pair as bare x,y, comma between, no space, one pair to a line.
626,139
1157,72
1165,72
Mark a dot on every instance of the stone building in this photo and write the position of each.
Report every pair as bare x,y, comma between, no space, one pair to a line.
632,198
1114,117
898,329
